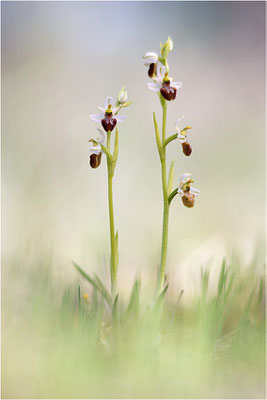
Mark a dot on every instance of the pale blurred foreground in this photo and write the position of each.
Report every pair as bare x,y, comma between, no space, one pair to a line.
70,343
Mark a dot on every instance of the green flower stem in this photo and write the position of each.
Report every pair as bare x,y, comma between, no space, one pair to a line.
165,225
172,195
111,224
170,139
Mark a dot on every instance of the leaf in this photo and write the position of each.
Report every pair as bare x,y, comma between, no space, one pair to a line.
134,303
85,275
222,279
115,310
158,140
171,178
161,296
100,287
116,151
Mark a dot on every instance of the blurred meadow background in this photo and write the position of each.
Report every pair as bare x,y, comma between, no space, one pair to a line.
59,62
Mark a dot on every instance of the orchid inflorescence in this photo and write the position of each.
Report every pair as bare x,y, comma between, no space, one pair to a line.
158,71
109,118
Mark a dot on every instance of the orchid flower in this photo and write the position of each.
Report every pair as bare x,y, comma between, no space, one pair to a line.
108,115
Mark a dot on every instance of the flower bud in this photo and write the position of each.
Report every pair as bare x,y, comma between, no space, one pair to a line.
152,70
166,48
108,122
167,91
122,97
188,199
187,149
95,160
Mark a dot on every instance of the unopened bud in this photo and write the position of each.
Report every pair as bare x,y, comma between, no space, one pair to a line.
188,199
166,48
187,149
95,160
122,96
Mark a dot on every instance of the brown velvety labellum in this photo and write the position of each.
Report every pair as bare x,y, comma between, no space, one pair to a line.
168,92
95,160
109,123
152,70
187,149
188,200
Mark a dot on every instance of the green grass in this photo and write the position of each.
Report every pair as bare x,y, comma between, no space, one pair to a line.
59,345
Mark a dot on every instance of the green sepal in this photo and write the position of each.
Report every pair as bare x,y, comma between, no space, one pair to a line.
126,104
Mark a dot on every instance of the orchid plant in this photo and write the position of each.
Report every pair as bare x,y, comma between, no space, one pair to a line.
158,71
109,118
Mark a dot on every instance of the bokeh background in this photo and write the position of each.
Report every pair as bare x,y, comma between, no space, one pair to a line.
59,62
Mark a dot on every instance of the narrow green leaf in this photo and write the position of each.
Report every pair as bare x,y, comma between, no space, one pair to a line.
171,178
161,296
115,310
85,275
158,140
102,289
261,291
116,151
134,303
96,285
79,300
222,279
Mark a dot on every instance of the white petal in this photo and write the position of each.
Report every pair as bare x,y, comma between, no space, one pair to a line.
95,149
181,138
176,85
179,119
150,58
180,192
101,109
161,71
194,191
184,178
96,117
154,86
102,136
158,80
121,118
109,100
150,54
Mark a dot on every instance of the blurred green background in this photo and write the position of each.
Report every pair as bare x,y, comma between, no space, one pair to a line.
59,62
